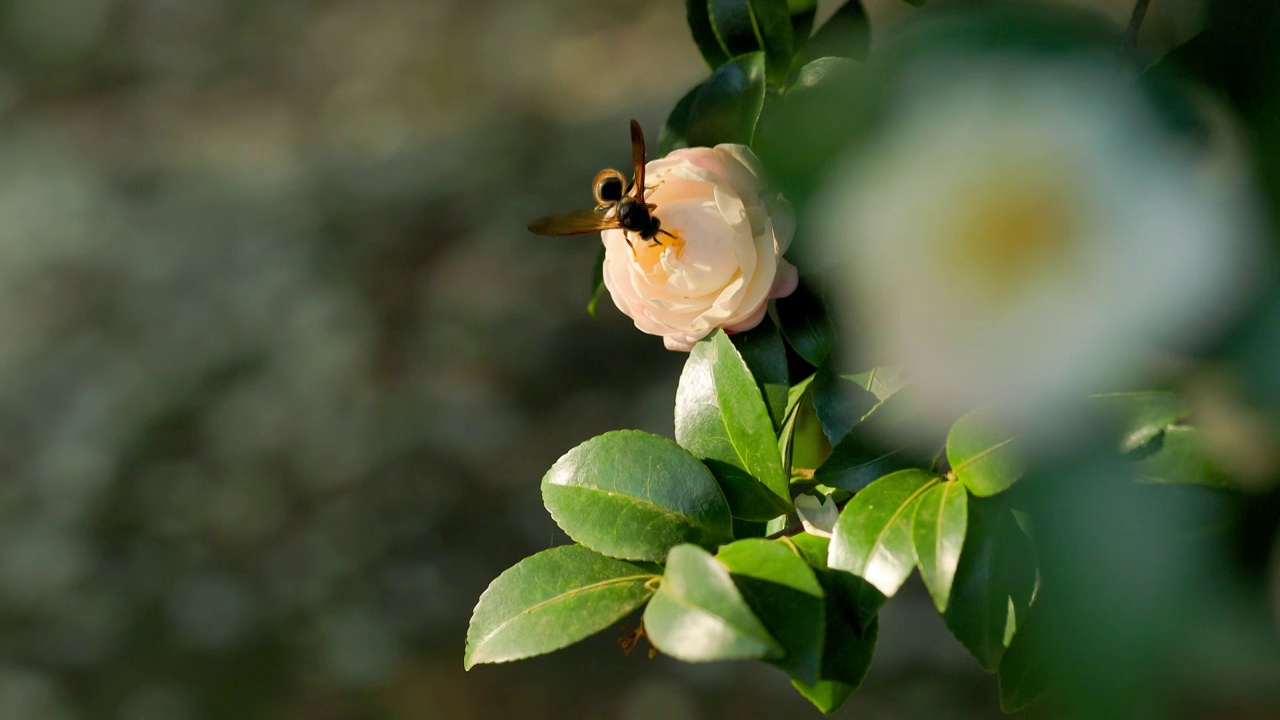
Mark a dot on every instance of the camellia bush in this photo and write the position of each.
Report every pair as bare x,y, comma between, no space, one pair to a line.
951,300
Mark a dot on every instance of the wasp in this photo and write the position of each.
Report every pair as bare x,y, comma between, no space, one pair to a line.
618,205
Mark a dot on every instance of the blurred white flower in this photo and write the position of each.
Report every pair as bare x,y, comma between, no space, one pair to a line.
1024,234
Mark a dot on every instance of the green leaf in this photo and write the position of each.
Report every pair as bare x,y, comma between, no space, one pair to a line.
813,548
938,529
802,12
721,418
1179,455
675,132
845,665
698,615
597,283
857,461
843,401
846,34
728,103
1024,671
698,14
1141,415
872,538
983,453
785,595
993,582
816,72
552,600
632,495
802,444
804,322
766,356
745,26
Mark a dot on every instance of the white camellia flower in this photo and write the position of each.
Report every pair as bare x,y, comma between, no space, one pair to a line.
724,263
1025,233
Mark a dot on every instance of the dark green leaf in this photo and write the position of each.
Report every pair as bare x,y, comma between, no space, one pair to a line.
843,401
675,132
597,283
632,495
785,595
872,539
993,582
845,664
766,357
938,529
1141,415
721,418
552,600
802,12
1179,455
698,14
1024,671
804,322
698,615
728,103
745,26
983,453
846,34
857,461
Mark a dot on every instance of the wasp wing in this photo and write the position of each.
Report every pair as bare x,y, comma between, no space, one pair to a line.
637,158
578,222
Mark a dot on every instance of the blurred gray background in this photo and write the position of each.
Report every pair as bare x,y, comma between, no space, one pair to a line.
281,369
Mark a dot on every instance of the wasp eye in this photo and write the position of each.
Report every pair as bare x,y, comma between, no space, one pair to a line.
610,189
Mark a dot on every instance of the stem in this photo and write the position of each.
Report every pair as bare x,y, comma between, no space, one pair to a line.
1135,24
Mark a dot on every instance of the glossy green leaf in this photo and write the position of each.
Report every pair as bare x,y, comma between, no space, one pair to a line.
872,539
552,600
698,15
727,105
843,401
813,548
1141,415
802,13
938,530
803,319
1179,455
766,356
845,664
721,418
857,461
698,615
745,26
983,453
785,595
1024,670
846,34
993,582
633,495
597,283
675,131
801,441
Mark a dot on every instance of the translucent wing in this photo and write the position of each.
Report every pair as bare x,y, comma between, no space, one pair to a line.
637,158
578,222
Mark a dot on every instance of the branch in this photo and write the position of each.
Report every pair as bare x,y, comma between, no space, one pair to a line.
1135,24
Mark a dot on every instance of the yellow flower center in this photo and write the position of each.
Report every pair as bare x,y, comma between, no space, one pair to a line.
1010,231
648,255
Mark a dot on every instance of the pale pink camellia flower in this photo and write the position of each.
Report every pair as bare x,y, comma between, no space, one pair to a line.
723,264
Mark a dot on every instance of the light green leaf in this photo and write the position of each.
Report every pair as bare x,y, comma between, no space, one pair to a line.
938,529
785,595
872,539
632,495
1179,455
983,453
597,283
721,418
698,615
552,600
1141,415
